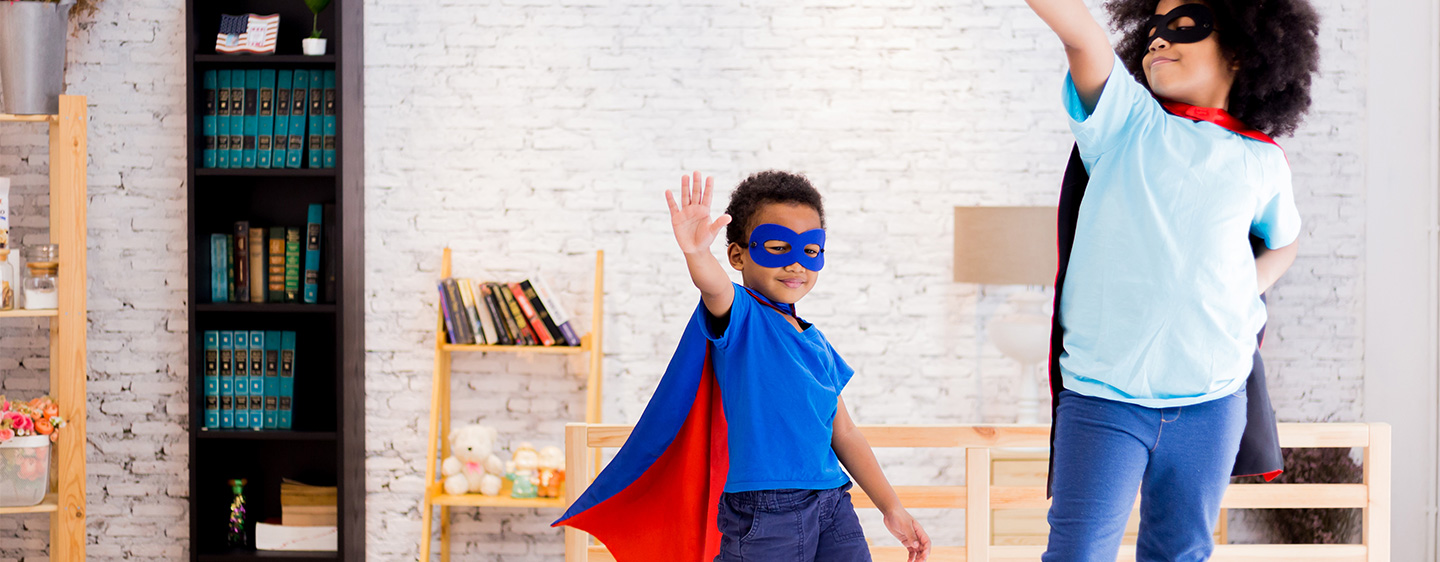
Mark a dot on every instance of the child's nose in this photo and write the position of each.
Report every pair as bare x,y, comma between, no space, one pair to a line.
1157,44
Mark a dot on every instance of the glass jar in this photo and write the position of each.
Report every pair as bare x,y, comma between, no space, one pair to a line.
7,281
42,286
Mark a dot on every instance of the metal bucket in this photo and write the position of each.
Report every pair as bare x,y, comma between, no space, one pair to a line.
32,55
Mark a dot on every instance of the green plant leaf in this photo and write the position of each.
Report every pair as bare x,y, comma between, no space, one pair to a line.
317,6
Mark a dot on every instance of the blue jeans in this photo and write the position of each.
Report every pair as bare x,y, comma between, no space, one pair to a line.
1180,458
791,526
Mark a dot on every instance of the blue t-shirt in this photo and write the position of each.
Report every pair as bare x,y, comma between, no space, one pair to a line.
780,388
1161,301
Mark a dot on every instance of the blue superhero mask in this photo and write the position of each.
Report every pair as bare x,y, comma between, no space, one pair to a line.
798,242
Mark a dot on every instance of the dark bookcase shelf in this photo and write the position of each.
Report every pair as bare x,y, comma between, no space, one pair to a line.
327,445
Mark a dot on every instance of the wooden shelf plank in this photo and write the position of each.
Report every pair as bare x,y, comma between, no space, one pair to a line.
266,307
267,172
272,555
584,347
50,504
439,497
11,118
22,313
265,59
266,435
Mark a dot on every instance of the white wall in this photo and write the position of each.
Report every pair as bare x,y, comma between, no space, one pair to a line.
527,133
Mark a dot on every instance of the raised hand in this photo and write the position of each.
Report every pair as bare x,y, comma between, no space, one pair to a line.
694,230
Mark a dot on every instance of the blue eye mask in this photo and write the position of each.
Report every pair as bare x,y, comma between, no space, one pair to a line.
767,233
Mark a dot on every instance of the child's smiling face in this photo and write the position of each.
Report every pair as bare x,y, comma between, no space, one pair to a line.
780,284
1197,73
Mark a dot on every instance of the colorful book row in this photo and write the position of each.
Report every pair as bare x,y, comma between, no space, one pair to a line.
249,379
524,313
269,119
278,264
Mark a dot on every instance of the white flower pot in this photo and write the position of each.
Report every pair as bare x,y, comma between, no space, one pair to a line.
313,47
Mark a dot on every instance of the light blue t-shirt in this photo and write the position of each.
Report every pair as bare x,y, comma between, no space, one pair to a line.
780,388
1161,302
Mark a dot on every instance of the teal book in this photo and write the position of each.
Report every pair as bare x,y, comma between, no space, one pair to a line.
227,381
257,380
219,256
222,119
327,142
207,123
315,137
287,380
272,380
230,268
237,117
212,380
292,265
282,118
295,147
252,122
265,130
241,388
311,291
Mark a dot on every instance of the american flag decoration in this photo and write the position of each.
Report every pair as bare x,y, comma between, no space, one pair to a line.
247,33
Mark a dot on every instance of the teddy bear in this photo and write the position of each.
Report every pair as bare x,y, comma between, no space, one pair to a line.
472,466
552,472
524,472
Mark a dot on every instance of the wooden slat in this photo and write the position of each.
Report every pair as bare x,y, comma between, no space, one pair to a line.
1238,496
953,436
913,497
977,504
68,199
50,504
12,118
899,554
22,313
577,479
439,497
1223,553
1324,435
1375,526
545,349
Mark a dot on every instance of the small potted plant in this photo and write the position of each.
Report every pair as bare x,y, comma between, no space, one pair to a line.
26,431
32,52
315,44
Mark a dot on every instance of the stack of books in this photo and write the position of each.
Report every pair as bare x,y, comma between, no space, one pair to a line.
249,379
523,313
308,520
269,118
278,265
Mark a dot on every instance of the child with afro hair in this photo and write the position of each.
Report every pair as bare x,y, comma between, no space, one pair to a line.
1161,302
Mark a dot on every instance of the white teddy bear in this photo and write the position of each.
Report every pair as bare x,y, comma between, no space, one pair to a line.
472,466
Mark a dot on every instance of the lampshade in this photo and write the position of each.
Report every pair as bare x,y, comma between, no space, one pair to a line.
1005,245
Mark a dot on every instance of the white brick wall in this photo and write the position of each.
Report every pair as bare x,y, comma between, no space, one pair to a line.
518,130
528,133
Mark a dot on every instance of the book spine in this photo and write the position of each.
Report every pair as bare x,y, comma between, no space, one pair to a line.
256,263
328,142
311,292
457,310
514,314
327,252
227,381
471,316
265,129
230,268
292,265
218,292
557,310
271,387
281,129
241,386
487,324
212,380
276,270
252,112
295,145
503,328
237,118
451,335
285,404
207,123
316,136
257,380
242,261
222,119
531,319
547,323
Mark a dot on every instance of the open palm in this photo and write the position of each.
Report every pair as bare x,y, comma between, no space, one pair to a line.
694,230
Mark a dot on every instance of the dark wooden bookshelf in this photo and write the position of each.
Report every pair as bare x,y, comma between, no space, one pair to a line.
327,443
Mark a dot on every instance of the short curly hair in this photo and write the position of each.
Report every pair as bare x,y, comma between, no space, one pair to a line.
1274,42
762,188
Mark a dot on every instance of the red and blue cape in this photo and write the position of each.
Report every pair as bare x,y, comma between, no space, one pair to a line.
1259,453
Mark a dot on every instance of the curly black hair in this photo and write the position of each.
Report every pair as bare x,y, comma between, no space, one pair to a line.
1272,41
762,188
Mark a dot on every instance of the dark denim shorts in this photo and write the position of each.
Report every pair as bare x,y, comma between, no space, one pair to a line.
791,526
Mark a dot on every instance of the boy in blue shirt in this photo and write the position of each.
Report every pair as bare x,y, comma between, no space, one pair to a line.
1161,304
785,495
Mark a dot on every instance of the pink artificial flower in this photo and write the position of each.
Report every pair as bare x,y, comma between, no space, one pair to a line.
20,422
6,434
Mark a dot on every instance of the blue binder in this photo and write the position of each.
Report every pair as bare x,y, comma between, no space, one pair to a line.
219,268
252,121
315,137
287,380
327,143
222,119
281,130
311,278
272,380
227,381
299,104
257,380
265,129
237,118
207,123
241,387
212,380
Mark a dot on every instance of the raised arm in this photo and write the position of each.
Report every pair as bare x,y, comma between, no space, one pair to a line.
695,233
1087,47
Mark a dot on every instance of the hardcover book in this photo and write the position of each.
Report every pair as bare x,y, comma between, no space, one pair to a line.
286,399
292,265
241,239
257,379
212,380
265,114
311,291
277,265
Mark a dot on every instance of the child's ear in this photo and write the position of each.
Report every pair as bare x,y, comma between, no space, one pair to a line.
736,253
